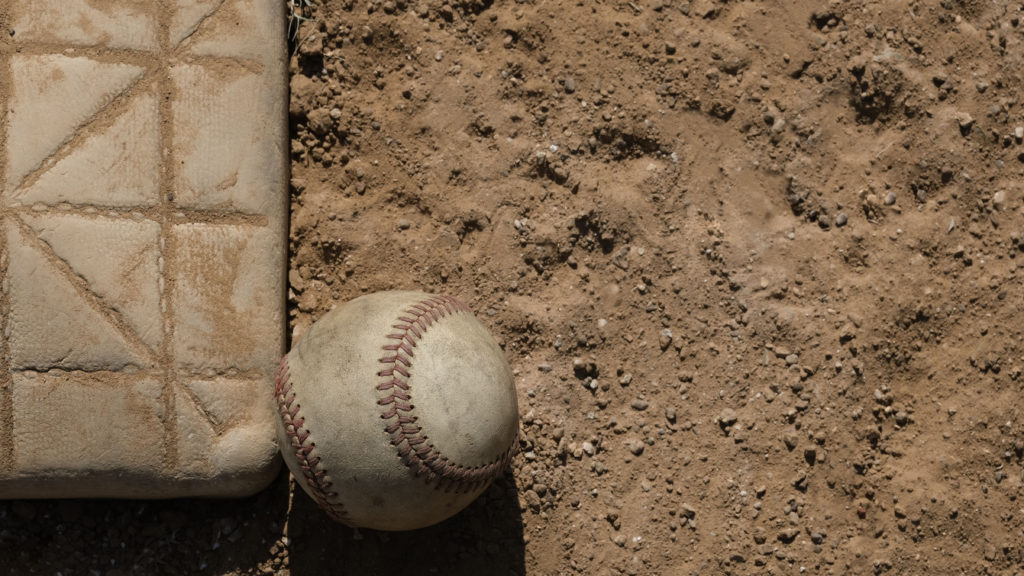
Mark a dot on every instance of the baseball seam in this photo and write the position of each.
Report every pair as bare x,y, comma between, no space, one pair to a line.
302,443
413,446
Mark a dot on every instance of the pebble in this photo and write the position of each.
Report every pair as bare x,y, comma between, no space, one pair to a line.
639,404
791,439
727,417
670,414
635,446
569,84
532,499
320,122
665,339
788,534
890,198
965,121
1018,133
999,200
841,219
583,367
588,448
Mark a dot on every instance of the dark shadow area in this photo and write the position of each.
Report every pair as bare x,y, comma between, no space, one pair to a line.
152,537
485,538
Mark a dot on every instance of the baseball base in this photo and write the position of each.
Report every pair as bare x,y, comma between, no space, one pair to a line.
397,410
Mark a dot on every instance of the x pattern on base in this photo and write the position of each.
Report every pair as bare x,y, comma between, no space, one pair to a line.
105,170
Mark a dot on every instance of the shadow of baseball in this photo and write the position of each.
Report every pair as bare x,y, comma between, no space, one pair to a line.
485,538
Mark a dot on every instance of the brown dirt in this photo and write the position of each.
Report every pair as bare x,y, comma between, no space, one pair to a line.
755,264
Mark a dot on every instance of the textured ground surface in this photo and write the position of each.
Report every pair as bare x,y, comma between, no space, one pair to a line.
756,265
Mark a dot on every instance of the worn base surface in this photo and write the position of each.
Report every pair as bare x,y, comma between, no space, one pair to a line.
142,229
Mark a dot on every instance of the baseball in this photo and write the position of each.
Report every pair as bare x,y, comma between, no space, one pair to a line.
397,409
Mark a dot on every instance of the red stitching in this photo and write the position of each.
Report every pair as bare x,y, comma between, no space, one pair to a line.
294,426
413,447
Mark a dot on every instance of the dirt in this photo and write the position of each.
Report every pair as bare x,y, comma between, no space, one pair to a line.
755,265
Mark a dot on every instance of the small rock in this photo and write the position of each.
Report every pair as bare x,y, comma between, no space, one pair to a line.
688,511
727,417
999,200
670,48
787,535
613,519
1018,133
639,404
841,219
665,339
583,368
588,448
670,414
890,198
791,439
965,121
532,500
569,84
626,379
320,122
902,418
635,446
312,47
